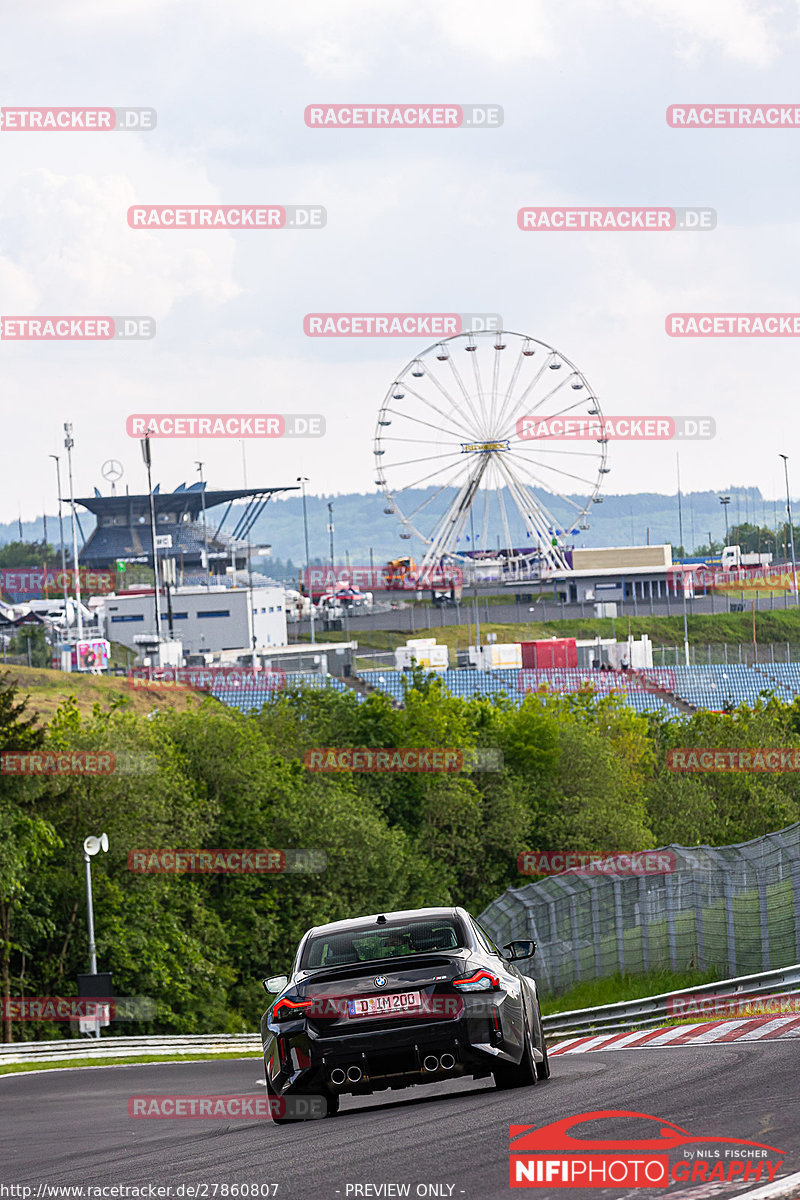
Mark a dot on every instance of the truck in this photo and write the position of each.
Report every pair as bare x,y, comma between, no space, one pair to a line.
733,559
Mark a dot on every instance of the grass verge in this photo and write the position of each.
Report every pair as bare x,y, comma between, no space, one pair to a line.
616,988
20,1068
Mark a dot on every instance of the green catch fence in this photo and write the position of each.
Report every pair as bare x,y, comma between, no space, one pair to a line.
733,908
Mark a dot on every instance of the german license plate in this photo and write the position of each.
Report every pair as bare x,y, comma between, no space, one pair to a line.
394,1004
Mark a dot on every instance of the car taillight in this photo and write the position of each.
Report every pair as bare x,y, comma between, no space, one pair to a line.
284,1010
481,981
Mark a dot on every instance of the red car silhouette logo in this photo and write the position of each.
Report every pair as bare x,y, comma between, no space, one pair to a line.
664,1136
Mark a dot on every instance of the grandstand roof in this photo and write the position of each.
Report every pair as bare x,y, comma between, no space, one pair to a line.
188,499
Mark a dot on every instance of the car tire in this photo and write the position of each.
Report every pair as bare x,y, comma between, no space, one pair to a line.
331,1099
542,1068
514,1075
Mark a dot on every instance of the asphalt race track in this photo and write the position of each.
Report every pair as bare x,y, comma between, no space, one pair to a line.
71,1127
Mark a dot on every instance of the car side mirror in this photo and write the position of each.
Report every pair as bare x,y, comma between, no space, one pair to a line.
520,949
275,984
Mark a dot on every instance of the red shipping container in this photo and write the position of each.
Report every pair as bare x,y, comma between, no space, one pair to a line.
555,652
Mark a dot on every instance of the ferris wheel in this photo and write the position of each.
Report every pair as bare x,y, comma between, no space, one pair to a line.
460,467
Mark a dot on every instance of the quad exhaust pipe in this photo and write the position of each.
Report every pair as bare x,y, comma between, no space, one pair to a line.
431,1064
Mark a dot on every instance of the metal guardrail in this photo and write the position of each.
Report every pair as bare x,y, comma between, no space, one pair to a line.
652,1010
64,1049
606,1018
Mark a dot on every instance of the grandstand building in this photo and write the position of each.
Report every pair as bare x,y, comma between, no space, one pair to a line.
123,532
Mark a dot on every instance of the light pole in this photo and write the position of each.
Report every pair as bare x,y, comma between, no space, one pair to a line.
725,501
303,480
145,444
330,531
90,847
69,443
63,547
785,458
199,466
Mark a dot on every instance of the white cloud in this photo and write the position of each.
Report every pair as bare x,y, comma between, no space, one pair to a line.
743,29
73,252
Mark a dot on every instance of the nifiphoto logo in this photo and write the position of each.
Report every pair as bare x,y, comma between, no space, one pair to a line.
565,1155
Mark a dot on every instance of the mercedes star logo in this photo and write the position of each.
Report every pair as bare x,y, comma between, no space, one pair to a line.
112,470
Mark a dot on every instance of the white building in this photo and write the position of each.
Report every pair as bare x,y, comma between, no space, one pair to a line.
205,619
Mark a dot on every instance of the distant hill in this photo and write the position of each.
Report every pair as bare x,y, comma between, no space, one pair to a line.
361,523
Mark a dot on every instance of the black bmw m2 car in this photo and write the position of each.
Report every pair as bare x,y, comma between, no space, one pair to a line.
398,999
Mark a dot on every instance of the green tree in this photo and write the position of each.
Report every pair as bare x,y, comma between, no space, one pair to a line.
26,554
27,839
32,638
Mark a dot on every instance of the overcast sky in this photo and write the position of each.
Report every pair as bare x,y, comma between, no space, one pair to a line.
418,221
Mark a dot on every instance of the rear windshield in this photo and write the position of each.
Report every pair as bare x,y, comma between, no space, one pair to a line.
392,940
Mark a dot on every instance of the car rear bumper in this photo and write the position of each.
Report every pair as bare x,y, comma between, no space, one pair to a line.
298,1059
